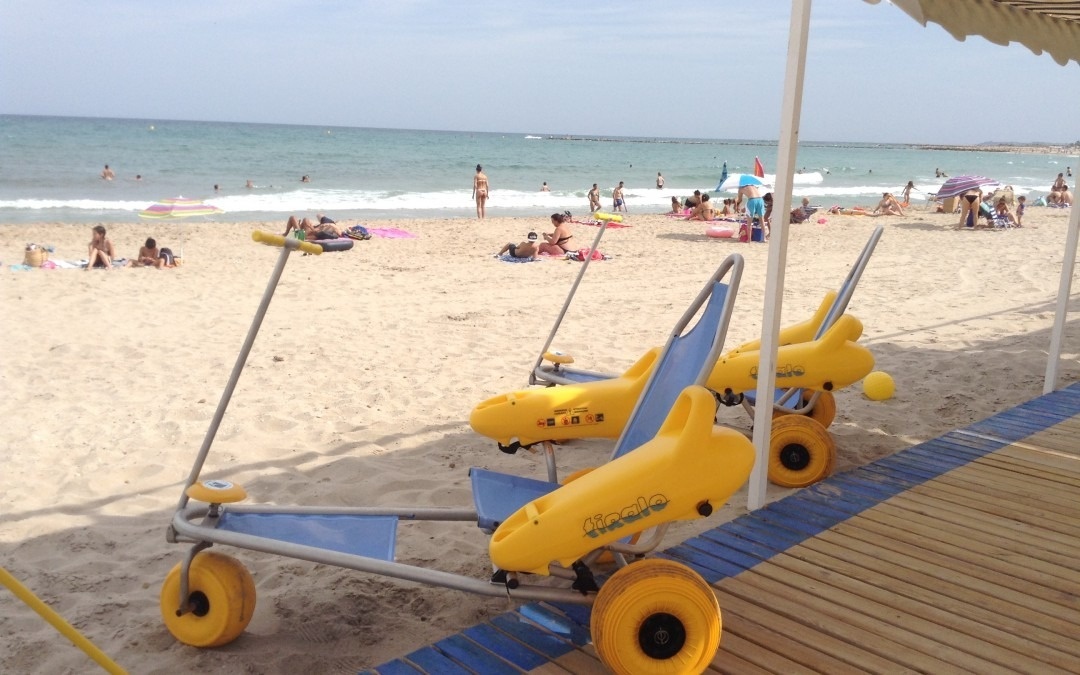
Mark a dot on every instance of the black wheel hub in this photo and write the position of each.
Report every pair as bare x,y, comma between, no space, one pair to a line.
199,603
662,636
795,457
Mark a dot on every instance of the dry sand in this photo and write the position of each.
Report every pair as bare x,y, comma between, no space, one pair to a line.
359,388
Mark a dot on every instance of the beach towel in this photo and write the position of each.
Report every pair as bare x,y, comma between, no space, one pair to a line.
596,223
390,233
506,257
68,264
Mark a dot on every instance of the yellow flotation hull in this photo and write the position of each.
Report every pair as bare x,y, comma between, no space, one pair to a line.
590,410
601,409
689,469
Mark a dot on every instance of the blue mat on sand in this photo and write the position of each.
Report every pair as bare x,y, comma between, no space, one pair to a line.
506,257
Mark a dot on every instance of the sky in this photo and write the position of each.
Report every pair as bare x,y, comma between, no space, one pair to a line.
695,68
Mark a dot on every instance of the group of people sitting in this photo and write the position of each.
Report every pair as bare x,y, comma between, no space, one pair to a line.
699,206
994,207
1060,195
101,253
556,242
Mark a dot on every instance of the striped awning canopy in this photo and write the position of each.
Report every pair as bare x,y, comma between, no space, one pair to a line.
1051,26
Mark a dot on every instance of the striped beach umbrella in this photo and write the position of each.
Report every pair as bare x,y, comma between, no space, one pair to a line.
179,208
958,185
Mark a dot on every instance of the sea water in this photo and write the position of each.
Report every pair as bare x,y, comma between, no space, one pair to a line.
50,170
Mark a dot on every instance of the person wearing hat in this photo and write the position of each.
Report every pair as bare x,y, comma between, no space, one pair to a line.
525,249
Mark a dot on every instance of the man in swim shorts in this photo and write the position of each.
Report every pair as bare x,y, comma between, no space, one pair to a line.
755,205
525,249
618,203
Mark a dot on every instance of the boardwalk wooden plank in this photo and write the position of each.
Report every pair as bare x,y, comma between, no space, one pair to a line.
738,656
477,658
430,660
504,646
794,636
1001,547
974,598
856,543
1000,466
904,545
1021,503
861,632
968,517
876,596
763,644
537,637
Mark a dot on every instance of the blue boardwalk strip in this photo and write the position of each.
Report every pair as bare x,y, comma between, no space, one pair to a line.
430,660
505,646
474,657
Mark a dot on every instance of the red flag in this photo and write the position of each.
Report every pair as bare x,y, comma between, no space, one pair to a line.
759,168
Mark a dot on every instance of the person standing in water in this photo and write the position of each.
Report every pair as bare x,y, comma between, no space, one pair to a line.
480,190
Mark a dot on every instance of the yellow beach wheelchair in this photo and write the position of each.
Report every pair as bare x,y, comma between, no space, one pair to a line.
545,539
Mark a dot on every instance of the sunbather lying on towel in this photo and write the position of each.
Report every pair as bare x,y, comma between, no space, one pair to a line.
314,230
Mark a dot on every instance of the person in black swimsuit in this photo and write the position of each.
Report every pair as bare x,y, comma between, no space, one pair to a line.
556,242
969,205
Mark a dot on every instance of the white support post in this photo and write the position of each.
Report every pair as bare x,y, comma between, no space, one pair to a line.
1057,334
790,113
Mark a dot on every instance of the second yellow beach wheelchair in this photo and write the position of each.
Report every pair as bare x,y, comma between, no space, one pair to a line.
650,616
815,358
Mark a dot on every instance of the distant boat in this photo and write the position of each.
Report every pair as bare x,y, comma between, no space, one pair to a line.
537,137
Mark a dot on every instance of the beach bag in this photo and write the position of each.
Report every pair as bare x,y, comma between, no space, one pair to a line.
744,233
358,232
583,254
35,255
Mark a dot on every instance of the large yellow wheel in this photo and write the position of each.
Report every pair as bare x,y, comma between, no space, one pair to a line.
823,412
221,600
656,617
801,451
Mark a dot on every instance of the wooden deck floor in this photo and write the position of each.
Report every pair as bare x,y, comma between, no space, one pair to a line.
961,554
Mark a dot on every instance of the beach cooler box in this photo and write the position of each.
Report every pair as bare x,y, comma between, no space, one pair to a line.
756,232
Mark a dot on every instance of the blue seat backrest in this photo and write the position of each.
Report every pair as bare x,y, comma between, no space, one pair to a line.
681,365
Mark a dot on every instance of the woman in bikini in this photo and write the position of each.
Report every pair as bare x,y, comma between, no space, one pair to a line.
556,242
480,191
969,204
101,251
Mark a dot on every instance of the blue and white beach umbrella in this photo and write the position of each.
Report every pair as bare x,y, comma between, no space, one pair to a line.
739,180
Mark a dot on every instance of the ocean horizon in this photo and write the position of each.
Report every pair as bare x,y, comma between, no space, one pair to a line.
50,169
